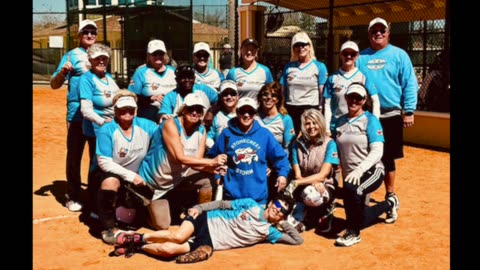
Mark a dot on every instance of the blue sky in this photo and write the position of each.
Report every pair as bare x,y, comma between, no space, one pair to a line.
49,5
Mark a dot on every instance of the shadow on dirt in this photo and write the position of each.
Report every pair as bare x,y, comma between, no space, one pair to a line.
57,188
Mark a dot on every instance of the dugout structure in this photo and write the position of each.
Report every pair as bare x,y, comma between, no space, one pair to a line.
138,22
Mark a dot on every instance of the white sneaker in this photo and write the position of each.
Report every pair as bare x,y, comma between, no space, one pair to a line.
392,214
73,206
350,238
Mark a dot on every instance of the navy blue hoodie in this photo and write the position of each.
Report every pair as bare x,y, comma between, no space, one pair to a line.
248,156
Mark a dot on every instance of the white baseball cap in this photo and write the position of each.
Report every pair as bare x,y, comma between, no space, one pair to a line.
99,53
227,46
247,101
190,100
356,88
201,46
126,101
299,38
228,84
84,23
156,45
349,45
377,20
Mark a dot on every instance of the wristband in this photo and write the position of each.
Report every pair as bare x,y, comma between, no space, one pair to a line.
409,113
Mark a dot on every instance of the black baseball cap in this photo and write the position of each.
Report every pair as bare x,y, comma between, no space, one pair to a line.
184,71
249,41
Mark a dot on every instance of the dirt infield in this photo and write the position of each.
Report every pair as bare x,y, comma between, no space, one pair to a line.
420,239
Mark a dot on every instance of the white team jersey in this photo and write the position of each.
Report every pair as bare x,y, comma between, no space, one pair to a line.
219,123
158,169
241,226
126,152
302,84
147,82
101,94
336,87
212,78
353,137
249,83
281,126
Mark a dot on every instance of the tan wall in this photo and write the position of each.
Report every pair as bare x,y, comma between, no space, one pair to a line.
430,129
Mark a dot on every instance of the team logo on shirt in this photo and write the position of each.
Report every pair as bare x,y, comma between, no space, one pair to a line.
379,132
334,155
123,152
241,82
154,86
376,64
246,155
339,88
107,93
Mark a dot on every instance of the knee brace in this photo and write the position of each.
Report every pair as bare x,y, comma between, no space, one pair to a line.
106,207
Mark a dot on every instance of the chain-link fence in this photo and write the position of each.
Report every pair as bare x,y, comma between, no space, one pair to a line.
425,41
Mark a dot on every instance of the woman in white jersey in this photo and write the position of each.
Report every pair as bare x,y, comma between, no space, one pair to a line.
175,163
337,83
359,138
152,81
121,146
250,75
303,79
203,73
73,64
218,225
273,116
228,98
97,89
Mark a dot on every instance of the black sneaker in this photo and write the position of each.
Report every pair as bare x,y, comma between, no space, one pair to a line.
392,214
349,238
325,222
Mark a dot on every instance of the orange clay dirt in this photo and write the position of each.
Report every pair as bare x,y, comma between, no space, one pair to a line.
420,239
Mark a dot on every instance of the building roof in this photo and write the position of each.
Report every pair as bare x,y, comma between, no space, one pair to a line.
114,26
360,12
202,28
61,29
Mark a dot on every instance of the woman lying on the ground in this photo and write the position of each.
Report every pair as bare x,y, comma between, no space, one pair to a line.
217,225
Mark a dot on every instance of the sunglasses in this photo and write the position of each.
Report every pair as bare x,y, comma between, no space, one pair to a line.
195,108
129,110
202,55
266,94
351,54
355,97
300,44
280,207
91,32
229,93
243,111
382,31
158,53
